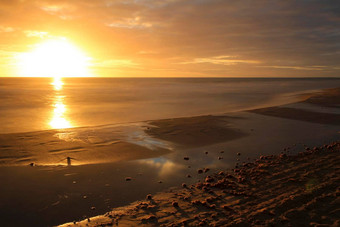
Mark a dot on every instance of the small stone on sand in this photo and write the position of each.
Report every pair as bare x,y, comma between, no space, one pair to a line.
175,204
149,197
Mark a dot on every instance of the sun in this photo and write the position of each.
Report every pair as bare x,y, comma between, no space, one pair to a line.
54,58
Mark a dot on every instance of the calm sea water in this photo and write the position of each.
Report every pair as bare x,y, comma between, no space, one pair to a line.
31,104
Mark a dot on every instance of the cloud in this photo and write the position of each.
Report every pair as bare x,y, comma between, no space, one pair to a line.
130,23
221,60
116,63
6,29
39,34
316,67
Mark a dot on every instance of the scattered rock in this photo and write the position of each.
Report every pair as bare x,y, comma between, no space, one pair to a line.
199,171
186,158
128,178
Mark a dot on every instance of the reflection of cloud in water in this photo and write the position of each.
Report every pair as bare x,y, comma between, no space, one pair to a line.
131,133
165,167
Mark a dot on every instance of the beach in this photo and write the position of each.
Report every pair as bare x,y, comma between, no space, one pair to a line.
179,160
300,189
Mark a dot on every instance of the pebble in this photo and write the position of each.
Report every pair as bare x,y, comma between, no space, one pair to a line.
219,158
149,197
199,171
128,178
175,204
186,158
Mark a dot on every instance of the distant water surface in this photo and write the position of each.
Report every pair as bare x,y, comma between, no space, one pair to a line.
32,104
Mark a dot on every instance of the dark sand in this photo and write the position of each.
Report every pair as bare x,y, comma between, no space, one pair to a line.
326,98
275,190
299,114
329,98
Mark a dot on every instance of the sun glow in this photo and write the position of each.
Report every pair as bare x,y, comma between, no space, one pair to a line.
54,58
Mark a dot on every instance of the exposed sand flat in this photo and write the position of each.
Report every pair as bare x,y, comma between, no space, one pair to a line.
194,131
84,145
278,190
328,97
299,114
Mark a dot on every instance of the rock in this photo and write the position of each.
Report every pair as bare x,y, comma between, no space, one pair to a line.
149,197
206,170
199,171
184,185
238,154
128,178
188,176
209,179
93,208
219,158
186,158
206,152
175,204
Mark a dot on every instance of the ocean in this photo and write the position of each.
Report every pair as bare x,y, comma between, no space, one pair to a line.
34,104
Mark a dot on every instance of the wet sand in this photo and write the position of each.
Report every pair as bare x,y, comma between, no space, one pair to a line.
279,190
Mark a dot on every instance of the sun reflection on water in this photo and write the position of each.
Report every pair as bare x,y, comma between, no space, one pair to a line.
59,120
57,83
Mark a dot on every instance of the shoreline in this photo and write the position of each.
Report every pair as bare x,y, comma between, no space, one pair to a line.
153,137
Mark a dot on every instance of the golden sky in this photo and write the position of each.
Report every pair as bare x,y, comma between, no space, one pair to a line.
187,38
